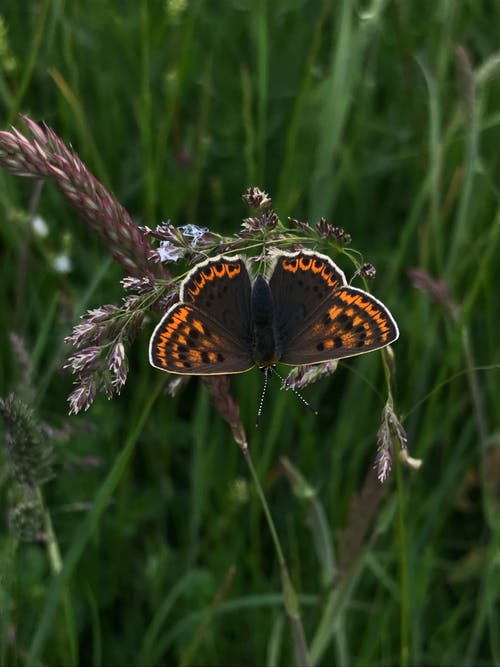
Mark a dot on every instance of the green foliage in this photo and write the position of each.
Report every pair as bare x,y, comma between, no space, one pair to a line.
382,117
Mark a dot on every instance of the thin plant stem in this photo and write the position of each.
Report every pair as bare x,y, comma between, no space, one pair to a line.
289,595
56,565
403,555
403,569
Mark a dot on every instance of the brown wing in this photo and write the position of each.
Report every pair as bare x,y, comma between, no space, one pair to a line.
220,288
301,282
350,322
187,341
209,331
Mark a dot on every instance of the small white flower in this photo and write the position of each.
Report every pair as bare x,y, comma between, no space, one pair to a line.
167,252
61,263
194,232
39,227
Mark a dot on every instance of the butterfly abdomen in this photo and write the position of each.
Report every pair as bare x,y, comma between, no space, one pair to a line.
264,350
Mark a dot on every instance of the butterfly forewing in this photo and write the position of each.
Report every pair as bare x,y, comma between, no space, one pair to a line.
221,288
301,283
351,322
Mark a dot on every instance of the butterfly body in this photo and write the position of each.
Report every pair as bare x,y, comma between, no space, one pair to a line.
304,314
265,350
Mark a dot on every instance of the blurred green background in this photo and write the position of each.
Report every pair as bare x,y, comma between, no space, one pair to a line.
383,117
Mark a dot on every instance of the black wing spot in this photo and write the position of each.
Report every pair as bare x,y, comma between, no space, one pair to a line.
320,347
204,357
337,341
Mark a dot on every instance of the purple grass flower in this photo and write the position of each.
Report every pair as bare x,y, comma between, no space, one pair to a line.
44,155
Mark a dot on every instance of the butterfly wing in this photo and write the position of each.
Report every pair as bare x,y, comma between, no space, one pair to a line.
300,284
351,322
220,287
189,342
319,317
208,331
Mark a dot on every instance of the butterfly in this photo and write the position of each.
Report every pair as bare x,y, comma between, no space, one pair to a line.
306,313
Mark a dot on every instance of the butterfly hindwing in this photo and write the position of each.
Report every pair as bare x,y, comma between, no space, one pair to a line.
187,341
351,322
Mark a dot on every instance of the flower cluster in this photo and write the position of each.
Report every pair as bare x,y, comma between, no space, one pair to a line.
366,271
302,376
326,230
435,289
391,431
100,362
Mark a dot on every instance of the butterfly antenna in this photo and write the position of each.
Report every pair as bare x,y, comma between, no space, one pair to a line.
298,394
261,402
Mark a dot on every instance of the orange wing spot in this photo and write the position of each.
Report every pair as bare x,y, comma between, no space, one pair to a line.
334,312
357,320
212,341
199,283
181,315
381,321
217,271
348,298
232,270
376,315
305,264
160,353
291,265
317,266
194,356
212,357
208,274
198,326
327,274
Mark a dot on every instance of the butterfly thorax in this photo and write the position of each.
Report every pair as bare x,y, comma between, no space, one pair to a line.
264,349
